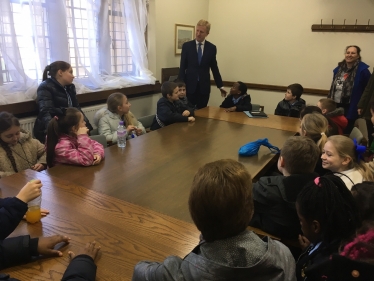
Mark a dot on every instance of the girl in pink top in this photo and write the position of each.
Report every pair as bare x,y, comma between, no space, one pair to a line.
68,142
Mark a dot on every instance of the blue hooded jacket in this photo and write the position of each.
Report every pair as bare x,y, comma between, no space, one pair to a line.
362,78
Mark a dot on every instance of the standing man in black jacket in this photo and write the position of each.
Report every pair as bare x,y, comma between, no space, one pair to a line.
198,57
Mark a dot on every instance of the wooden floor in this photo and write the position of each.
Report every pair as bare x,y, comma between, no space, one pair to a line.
134,204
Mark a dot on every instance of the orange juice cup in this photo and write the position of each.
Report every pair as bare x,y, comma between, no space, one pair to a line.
33,214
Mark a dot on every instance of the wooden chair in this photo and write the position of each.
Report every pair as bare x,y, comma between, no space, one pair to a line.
100,139
94,132
361,125
147,121
356,134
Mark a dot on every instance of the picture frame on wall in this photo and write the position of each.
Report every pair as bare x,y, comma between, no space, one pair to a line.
183,33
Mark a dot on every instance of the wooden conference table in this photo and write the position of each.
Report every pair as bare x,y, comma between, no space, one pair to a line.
126,232
273,121
134,204
156,170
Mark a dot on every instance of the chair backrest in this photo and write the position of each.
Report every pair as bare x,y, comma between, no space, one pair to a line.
147,120
100,139
94,132
356,134
362,126
98,115
257,107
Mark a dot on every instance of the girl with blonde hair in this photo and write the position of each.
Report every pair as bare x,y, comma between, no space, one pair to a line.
315,126
342,156
118,109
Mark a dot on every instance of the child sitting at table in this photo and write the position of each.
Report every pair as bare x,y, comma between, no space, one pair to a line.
18,150
328,216
332,127
82,267
342,156
221,206
275,196
292,103
355,262
336,115
17,250
68,142
168,111
183,98
238,99
118,109
21,249
315,127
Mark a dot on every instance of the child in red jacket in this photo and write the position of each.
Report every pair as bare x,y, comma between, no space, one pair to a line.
336,115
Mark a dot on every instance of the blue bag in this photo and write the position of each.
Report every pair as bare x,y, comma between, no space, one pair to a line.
253,147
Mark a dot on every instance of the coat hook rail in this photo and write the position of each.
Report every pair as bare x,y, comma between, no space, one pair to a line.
366,28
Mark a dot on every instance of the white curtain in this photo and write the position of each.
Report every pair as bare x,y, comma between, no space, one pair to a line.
135,12
22,86
48,42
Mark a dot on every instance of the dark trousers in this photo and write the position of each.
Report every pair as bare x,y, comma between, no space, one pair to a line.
198,99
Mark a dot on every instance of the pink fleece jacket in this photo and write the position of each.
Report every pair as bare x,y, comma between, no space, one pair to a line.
77,151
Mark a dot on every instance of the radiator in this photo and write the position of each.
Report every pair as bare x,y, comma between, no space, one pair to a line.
28,123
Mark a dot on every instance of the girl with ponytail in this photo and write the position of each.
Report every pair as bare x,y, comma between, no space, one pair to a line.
53,93
315,126
328,216
68,142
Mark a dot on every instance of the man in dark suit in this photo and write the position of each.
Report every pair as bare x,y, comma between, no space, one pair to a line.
198,56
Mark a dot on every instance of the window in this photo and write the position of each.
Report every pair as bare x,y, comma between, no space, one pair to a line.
120,51
78,37
18,30
4,74
93,35
27,42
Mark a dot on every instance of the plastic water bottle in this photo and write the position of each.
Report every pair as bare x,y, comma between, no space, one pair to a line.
121,135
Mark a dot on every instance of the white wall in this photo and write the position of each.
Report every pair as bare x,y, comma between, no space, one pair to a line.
162,17
271,42
266,42
164,14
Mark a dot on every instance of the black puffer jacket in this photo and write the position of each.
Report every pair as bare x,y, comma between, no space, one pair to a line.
274,204
168,113
52,96
284,108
